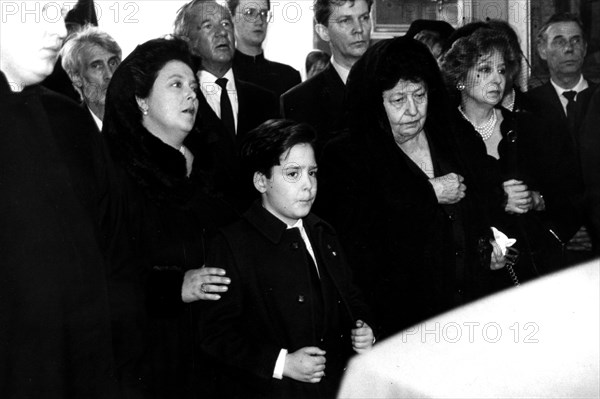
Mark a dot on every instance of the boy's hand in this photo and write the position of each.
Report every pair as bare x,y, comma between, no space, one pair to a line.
204,284
306,364
362,337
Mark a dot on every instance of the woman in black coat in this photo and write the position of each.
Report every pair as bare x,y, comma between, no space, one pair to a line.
537,190
397,190
168,210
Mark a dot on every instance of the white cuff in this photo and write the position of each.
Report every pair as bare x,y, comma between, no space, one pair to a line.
280,364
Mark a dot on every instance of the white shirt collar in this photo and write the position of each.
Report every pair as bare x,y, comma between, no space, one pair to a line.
298,224
212,92
207,82
306,240
96,119
581,85
341,70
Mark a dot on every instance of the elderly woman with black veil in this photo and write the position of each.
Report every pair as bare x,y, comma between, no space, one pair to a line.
168,209
400,195
536,192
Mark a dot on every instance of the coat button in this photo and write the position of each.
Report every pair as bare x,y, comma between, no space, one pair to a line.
295,245
451,216
301,298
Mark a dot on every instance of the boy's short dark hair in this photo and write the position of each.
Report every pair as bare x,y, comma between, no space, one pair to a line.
263,147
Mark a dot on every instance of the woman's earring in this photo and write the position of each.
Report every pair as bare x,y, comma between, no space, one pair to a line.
460,86
145,110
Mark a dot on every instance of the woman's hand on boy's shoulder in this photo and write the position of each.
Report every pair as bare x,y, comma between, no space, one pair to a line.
205,283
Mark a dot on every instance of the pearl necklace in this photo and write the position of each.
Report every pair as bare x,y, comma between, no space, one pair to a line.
487,129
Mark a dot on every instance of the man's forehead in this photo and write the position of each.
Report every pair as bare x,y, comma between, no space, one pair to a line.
566,28
350,7
258,4
96,52
210,11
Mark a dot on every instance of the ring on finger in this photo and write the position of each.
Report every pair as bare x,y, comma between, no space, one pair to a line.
202,288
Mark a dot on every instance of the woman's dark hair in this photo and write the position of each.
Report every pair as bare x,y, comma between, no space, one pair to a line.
466,51
263,147
133,78
380,69
129,142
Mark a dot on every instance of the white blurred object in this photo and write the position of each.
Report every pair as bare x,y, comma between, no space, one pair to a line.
539,340
502,240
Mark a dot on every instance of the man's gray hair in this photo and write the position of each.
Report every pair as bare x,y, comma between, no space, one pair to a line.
185,15
72,51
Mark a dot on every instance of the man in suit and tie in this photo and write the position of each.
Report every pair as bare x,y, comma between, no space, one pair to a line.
346,26
566,96
561,43
90,57
228,107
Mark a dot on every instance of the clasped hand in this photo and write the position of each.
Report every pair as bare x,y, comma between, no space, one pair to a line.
306,364
449,189
205,283
362,337
520,199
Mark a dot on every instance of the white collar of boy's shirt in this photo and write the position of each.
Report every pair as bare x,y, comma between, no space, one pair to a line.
304,236
212,92
96,119
580,86
341,70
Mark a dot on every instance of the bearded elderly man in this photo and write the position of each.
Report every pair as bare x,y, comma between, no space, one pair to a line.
90,57
319,101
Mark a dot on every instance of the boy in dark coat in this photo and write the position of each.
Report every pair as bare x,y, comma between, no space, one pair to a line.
291,317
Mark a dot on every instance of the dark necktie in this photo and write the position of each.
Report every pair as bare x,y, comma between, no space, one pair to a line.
571,110
226,109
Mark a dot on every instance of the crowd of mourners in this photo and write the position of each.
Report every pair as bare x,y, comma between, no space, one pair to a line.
161,235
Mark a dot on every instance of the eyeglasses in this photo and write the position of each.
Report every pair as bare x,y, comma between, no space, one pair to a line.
252,14
561,42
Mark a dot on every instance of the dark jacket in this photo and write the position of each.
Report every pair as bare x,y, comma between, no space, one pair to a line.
412,257
271,75
55,337
270,305
164,222
590,165
320,102
537,153
546,104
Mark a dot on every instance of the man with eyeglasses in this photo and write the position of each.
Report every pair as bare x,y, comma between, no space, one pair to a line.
319,101
251,19
565,98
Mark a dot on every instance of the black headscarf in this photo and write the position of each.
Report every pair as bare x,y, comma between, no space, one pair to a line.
380,69
154,165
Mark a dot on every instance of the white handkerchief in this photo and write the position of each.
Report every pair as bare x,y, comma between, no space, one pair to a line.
502,240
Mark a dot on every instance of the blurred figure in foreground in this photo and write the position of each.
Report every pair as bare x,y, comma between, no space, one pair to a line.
55,337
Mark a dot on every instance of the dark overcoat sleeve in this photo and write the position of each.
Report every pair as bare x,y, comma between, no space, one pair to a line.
222,328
